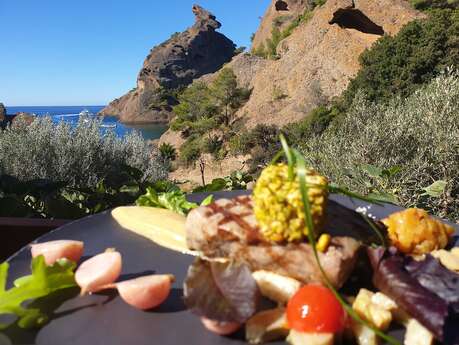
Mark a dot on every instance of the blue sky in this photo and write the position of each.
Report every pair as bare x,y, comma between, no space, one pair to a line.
88,52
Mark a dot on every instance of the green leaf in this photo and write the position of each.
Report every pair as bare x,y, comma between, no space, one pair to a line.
372,170
207,200
384,197
43,281
389,173
174,200
436,189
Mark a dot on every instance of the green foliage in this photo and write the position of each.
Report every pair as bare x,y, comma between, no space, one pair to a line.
48,199
43,281
80,157
191,150
172,199
240,50
260,51
399,65
314,124
318,3
237,180
269,48
195,104
432,4
206,108
167,152
405,148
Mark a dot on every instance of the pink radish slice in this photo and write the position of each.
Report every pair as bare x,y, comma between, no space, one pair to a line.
220,328
55,250
146,292
99,272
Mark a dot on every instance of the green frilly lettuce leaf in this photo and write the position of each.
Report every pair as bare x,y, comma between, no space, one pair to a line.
43,281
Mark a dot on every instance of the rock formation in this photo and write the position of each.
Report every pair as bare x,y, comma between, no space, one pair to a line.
173,64
2,112
315,63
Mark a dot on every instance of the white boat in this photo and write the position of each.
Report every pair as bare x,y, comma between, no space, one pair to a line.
108,125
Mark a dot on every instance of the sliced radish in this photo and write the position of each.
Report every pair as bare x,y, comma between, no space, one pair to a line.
146,292
99,272
55,250
220,328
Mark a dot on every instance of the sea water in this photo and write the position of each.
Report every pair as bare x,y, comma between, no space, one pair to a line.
71,114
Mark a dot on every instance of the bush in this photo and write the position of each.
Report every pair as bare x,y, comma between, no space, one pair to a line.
191,150
167,152
399,65
431,4
79,157
415,139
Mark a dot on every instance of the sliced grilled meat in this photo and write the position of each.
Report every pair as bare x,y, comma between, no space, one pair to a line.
228,229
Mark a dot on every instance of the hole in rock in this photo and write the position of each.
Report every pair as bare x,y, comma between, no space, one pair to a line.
281,6
356,19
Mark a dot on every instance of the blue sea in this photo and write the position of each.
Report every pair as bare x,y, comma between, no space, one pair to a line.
71,114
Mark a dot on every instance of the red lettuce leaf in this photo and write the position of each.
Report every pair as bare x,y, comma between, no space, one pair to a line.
221,291
424,303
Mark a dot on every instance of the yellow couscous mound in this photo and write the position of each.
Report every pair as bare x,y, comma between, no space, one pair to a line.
414,231
278,205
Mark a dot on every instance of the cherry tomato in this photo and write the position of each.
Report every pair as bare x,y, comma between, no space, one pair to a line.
315,309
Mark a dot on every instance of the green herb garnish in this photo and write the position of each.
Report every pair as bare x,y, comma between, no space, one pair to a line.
43,281
174,200
300,164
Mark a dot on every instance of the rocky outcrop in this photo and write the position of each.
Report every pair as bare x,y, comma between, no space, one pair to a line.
279,14
2,112
22,118
317,61
175,63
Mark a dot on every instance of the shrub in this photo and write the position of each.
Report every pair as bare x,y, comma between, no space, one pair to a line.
399,65
191,150
167,152
431,4
78,156
415,138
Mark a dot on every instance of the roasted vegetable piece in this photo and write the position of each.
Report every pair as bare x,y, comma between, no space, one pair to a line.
276,287
301,338
417,334
414,231
363,334
279,208
266,326
447,259
314,309
378,316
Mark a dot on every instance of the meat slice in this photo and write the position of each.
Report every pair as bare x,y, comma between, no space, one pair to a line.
228,229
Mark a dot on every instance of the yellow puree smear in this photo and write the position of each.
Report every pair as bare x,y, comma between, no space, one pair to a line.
164,227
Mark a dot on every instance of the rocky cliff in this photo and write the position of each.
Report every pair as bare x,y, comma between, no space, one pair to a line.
2,112
314,63
173,64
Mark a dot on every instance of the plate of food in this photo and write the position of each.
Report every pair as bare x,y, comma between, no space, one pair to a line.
296,261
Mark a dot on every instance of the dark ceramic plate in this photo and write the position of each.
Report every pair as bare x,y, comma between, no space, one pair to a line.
104,319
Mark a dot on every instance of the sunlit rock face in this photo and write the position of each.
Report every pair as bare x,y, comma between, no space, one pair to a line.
175,63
